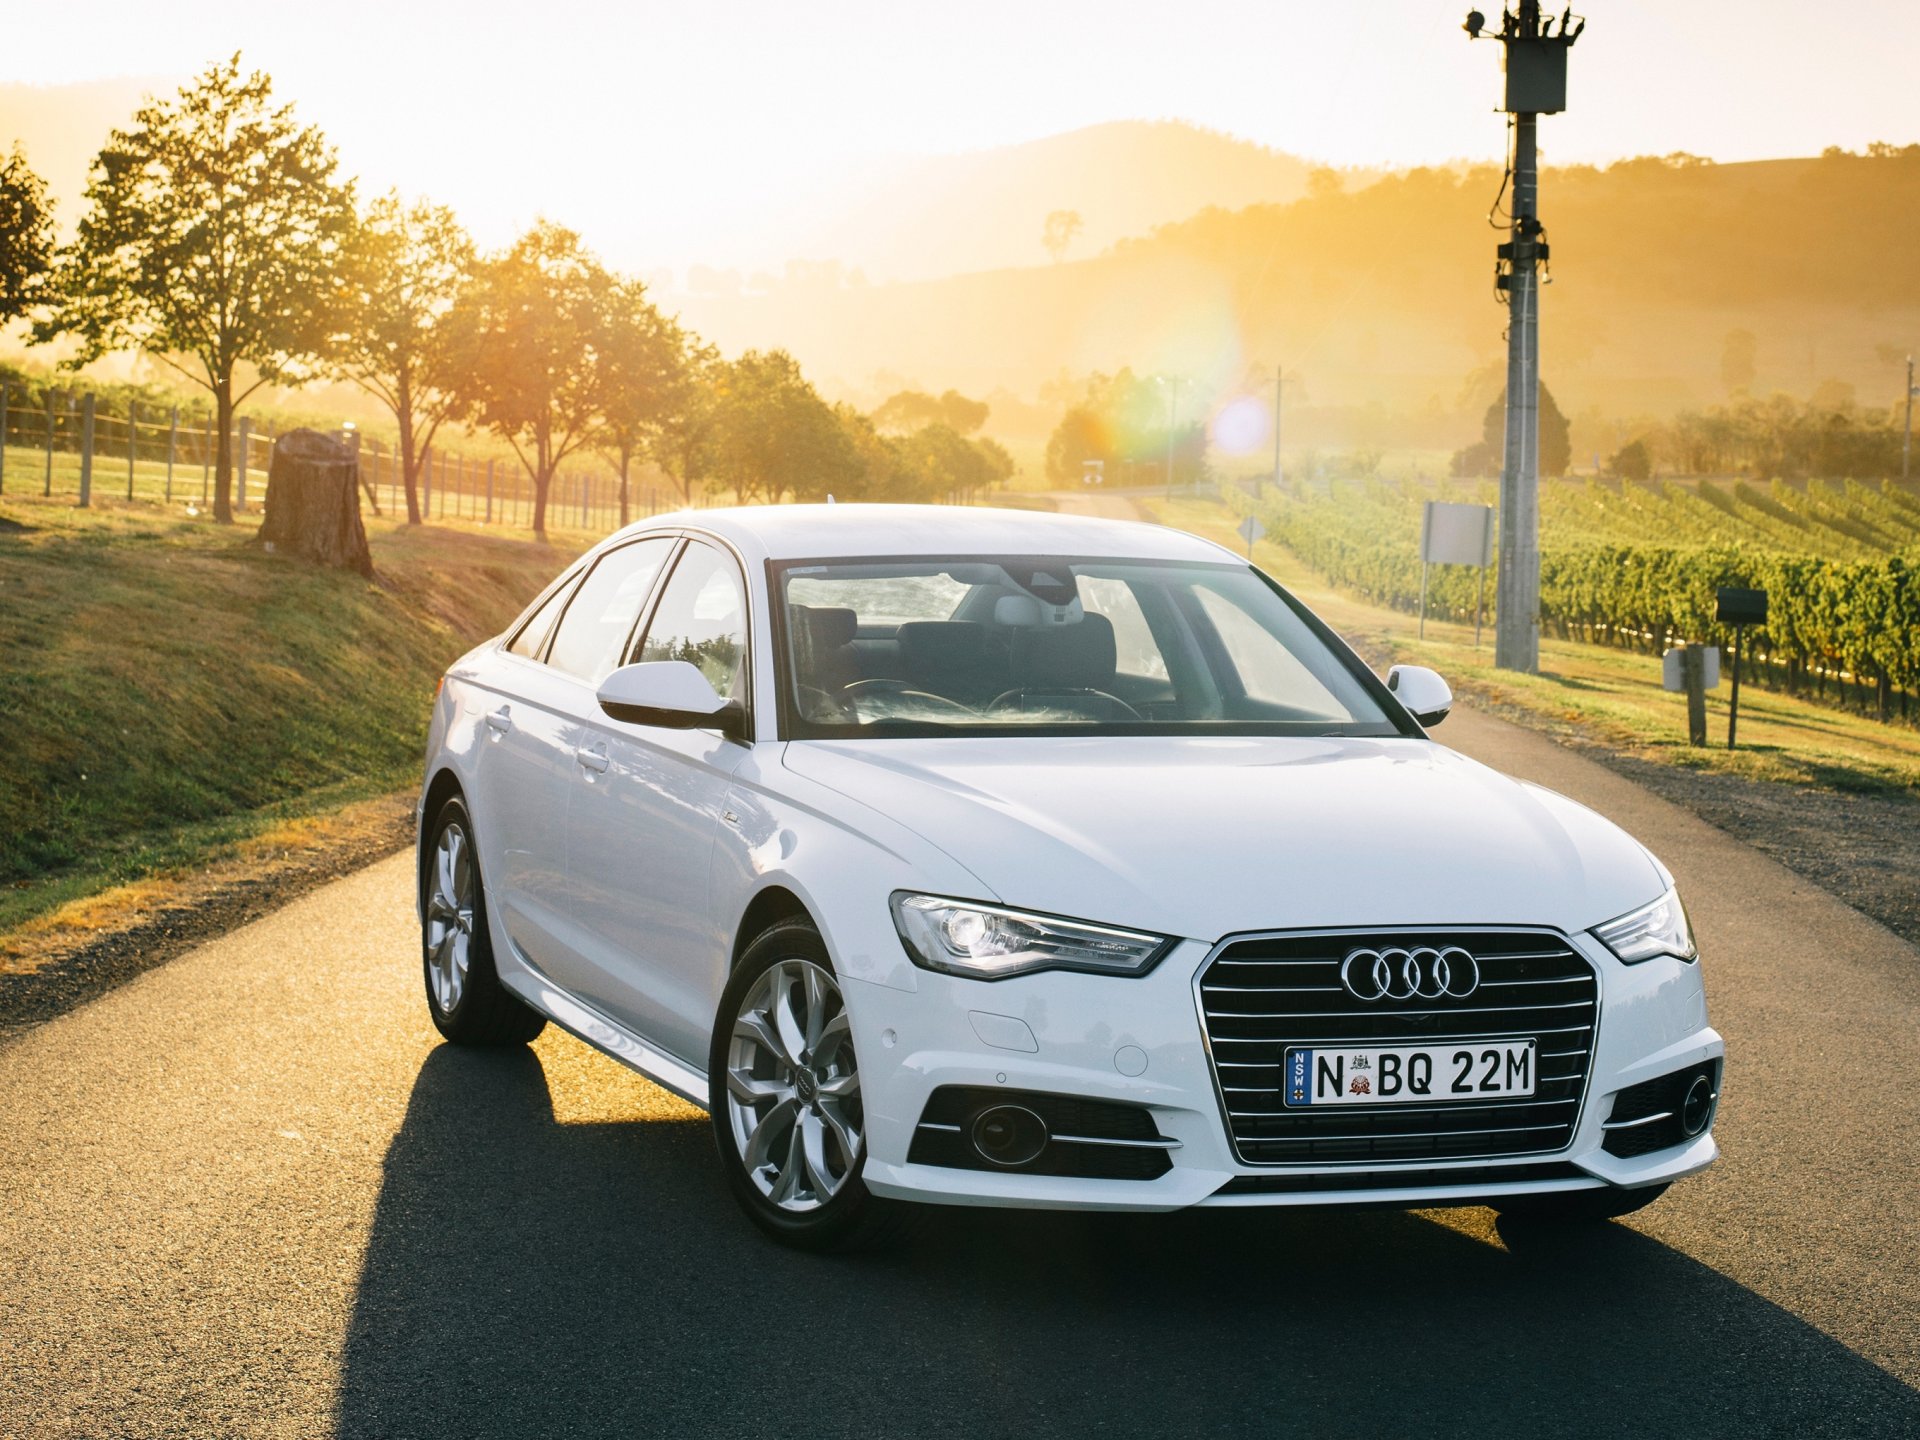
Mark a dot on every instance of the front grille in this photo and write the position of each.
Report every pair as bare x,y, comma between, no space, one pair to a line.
1264,993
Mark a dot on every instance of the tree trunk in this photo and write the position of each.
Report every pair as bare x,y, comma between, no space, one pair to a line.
223,452
409,461
542,481
313,502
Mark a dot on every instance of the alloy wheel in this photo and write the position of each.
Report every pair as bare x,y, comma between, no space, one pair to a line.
793,1092
450,917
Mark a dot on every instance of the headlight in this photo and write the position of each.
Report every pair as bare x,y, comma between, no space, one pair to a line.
1657,929
989,943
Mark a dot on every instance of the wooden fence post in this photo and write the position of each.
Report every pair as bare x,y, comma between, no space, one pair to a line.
3,439
206,457
86,450
240,459
133,437
48,490
173,446
1693,675
489,487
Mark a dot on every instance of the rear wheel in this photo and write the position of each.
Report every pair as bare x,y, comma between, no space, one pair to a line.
468,1003
1580,1207
785,1097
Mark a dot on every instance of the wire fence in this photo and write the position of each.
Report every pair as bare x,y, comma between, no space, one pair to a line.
68,445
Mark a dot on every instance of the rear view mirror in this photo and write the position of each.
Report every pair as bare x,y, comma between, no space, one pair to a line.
1422,691
669,693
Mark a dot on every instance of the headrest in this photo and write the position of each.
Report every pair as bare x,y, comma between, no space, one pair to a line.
932,648
1072,657
827,627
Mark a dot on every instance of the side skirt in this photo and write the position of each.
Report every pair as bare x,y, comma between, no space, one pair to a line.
611,1039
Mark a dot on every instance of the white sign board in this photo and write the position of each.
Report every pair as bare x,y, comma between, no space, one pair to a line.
1251,529
1456,534
1670,678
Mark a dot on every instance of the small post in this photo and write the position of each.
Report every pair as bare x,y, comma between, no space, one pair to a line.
206,457
86,450
426,484
48,488
489,490
173,446
1693,674
133,440
240,460
1423,599
1733,700
3,439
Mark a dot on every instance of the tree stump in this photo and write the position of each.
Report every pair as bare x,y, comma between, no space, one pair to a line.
313,502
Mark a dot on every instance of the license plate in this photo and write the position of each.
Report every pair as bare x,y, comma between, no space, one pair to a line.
1403,1074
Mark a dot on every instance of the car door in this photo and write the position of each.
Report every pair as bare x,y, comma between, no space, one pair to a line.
641,832
522,778
533,761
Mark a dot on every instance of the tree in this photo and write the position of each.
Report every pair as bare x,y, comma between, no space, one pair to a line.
523,354
1632,462
640,359
405,269
776,434
910,410
1486,456
1125,420
26,236
212,236
683,442
1059,231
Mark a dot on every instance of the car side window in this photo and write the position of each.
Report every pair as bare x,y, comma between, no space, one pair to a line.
532,636
702,619
595,628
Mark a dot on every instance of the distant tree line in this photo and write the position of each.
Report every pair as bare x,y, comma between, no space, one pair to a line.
219,237
1828,437
1129,423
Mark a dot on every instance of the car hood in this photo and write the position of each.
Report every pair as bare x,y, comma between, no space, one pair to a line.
1207,836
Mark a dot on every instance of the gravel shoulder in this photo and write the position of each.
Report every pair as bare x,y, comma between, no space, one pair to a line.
51,968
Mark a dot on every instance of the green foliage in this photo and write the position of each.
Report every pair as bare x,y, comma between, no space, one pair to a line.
1826,437
1631,461
214,228
520,350
26,236
640,355
403,270
774,434
1638,566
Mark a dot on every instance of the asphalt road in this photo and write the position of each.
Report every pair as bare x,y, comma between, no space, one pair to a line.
249,1194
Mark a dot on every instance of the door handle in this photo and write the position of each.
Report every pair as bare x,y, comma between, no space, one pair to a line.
501,719
594,760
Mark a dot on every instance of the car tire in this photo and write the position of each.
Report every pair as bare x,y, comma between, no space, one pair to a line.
468,1003
1580,1207
783,1095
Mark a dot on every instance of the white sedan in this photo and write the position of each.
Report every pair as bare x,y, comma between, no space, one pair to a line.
983,857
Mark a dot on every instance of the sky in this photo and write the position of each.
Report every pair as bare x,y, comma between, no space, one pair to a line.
672,129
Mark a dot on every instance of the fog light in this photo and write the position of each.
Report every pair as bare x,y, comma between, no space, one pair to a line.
1697,1109
1009,1135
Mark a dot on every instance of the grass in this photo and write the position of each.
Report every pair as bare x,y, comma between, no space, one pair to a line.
1597,692
168,691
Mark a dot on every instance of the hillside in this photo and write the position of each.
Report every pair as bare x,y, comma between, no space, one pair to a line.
1383,296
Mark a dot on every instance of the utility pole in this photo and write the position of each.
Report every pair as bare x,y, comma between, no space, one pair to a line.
1535,61
1279,393
1906,447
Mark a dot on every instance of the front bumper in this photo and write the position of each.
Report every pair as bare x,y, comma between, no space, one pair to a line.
1141,1042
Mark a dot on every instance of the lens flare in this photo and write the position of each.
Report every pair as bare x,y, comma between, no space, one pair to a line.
1241,426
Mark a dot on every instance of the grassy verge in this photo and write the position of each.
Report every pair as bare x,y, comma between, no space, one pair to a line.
1593,692
171,695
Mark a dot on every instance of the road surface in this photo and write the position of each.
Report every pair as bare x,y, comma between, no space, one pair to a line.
249,1194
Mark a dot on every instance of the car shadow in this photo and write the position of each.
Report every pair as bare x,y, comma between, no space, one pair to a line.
525,1277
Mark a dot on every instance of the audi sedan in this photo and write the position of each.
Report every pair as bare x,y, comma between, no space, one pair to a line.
975,857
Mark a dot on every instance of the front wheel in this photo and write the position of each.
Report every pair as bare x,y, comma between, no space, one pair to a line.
468,1003
784,1096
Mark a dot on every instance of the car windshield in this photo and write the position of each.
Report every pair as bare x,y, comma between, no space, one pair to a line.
1059,645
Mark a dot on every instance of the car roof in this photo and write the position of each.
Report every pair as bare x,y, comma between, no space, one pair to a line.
833,532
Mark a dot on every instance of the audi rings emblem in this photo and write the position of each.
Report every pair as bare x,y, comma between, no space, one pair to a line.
1422,972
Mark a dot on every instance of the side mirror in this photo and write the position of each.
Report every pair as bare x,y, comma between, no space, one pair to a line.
1422,691
672,694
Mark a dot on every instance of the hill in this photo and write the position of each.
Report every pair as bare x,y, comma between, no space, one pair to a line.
1383,296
